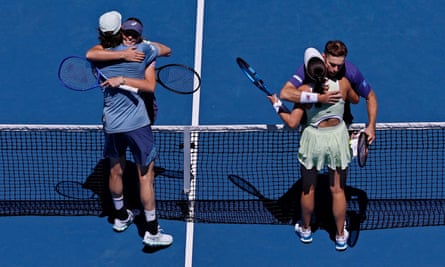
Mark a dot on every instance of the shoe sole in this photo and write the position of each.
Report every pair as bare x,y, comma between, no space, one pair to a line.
341,247
121,229
306,241
157,244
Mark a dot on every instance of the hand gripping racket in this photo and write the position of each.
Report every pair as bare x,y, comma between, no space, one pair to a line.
77,73
255,78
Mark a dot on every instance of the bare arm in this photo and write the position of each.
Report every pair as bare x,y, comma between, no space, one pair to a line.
290,93
98,53
350,94
372,108
164,51
291,119
148,84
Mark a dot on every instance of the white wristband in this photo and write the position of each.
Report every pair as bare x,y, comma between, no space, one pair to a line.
308,98
277,105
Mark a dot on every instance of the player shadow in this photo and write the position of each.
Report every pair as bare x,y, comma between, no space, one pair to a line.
287,208
324,218
97,182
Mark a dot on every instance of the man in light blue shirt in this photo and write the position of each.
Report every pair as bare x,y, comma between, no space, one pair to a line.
125,119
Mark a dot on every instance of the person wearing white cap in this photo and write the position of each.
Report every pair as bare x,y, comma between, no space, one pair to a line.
335,52
109,26
108,36
126,122
110,22
324,142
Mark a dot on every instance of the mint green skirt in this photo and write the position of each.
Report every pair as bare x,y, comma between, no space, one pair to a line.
320,147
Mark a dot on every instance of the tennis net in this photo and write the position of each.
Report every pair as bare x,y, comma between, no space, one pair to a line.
224,174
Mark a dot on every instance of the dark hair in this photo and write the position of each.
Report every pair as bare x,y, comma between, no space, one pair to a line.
316,69
108,39
336,48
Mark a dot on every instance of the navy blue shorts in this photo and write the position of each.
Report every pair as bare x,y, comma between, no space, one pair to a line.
140,142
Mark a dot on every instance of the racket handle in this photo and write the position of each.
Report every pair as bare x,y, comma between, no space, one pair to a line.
129,88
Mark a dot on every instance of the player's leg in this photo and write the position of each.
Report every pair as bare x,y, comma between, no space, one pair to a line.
338,180
303,228
145,152
114,149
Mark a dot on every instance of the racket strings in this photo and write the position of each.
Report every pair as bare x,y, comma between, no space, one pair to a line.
362,149
77,74
178,78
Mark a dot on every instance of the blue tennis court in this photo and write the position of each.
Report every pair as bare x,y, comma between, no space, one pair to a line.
398,50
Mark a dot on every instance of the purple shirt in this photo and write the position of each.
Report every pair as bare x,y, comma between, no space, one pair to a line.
350,71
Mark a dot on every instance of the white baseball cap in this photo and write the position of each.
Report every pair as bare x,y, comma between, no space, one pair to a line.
314,64
110,22
311,53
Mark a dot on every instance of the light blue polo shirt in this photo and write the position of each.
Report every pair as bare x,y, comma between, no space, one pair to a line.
123,110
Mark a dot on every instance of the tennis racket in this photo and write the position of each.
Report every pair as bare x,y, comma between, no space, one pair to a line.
178,78
253,76
359,146
77,73
362,149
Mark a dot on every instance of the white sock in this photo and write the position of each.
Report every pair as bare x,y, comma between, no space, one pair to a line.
118,202
150,215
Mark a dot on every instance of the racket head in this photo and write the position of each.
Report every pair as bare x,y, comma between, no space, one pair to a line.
77,73
252,75
244,185
178,78
362,149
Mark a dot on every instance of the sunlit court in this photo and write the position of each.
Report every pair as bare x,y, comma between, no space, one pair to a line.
228,179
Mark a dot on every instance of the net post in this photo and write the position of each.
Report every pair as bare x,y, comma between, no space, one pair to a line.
187,160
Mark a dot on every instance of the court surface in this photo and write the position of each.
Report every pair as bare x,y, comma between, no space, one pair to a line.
398,50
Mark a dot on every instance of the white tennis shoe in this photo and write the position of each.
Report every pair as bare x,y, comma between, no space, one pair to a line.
305,235
341,242
122,225
159,239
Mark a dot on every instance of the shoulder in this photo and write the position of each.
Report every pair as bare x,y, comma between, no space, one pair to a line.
351,70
